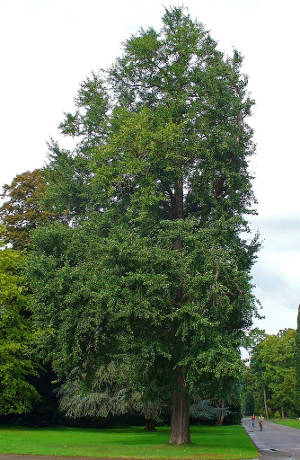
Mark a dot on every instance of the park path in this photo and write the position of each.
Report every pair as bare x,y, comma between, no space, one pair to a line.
276,442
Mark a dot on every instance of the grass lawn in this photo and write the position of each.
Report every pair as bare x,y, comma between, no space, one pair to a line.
208,442
293,422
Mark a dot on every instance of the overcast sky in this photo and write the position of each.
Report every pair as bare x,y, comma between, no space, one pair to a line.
50,46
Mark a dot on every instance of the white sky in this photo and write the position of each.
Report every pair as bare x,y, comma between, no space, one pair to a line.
50,46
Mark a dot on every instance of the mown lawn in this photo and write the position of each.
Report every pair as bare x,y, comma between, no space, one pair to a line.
208,442
293,422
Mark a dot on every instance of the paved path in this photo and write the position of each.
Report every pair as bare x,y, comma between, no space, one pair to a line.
275,441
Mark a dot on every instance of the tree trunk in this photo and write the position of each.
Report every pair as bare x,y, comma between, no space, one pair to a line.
150,425
178,200
265,402
282,412
180,415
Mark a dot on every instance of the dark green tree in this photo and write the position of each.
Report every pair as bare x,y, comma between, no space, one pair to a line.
154,271
297,363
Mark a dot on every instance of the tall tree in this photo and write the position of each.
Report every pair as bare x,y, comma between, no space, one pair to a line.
297,363
155,271
22,209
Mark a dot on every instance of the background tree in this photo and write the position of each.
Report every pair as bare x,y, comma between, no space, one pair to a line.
154,271
22,209
271,376
252,399
17,357
297,363
253,396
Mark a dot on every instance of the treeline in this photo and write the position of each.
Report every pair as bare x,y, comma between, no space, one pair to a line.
271,384
126,261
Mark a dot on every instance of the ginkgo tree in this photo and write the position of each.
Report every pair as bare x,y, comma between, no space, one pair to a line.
153,271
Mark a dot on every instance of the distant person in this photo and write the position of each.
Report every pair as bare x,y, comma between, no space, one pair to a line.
253,421
260,422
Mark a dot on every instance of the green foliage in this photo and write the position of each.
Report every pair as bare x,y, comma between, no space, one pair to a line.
17,361
253,338
112,293
276,356
205,409
109,392
272,366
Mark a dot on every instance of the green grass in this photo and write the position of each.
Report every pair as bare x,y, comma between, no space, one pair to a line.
293,422
208,442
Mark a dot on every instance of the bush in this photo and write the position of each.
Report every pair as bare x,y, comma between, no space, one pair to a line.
291,413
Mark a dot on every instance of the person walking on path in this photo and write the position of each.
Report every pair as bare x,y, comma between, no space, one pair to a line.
260,422
253,421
